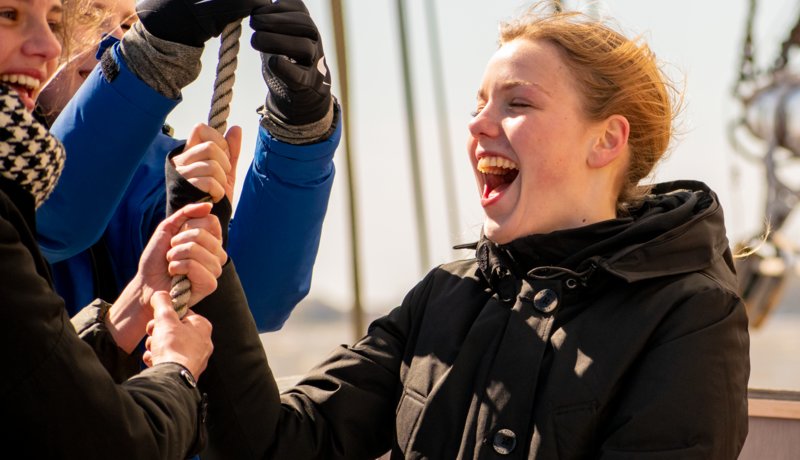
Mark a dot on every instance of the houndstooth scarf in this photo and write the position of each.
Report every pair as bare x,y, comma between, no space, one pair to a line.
29,154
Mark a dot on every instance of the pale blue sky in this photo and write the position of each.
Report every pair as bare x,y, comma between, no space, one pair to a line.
701,40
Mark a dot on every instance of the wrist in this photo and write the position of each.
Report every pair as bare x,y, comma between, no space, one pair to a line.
128,317
163,65
309,133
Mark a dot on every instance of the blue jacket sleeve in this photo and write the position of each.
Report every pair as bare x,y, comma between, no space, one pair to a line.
275,232
104,147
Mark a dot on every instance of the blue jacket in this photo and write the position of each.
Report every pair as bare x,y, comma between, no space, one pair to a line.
274,234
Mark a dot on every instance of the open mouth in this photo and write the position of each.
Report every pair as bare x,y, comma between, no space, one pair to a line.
24,85
498,173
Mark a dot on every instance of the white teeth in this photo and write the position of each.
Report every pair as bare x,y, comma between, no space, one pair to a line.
495,165
21,80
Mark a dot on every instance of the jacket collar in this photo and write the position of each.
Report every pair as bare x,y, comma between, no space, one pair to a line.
677,229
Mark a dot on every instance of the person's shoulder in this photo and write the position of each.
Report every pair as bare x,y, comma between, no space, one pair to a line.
699,302
463,267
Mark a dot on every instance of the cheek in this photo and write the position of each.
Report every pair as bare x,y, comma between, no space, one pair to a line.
50,68
472,146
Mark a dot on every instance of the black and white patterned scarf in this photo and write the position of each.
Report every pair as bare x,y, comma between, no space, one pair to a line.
29,154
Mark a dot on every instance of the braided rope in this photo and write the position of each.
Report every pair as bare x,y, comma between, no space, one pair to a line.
217,119
223,85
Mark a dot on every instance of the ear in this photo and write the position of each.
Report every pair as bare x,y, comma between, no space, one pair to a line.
611,143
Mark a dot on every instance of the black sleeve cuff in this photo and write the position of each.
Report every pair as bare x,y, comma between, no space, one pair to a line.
90,324
180,193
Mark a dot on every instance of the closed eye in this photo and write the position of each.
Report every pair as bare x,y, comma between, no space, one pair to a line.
519,103
8,14
56,26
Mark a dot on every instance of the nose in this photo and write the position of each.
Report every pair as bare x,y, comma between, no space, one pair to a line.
41,42
117,33
484,123
114,27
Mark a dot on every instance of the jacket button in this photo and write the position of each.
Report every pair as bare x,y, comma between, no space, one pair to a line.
504,441
188,378
545,300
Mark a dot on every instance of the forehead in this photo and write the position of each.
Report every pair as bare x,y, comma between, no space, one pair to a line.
537,60
48,5
122,6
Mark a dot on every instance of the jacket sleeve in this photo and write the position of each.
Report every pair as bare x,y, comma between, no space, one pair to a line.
106,129
342,409
275,233
90,324
686,398
61,399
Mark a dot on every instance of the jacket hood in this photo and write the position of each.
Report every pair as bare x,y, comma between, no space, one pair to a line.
679,228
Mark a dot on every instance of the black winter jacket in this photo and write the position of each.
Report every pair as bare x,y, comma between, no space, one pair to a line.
57,399
620,340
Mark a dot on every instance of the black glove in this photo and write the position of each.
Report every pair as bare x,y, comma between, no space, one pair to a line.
192,22
293,62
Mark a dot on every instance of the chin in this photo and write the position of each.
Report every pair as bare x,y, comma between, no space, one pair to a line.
496,232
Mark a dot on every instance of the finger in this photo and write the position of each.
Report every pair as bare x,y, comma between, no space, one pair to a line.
199,236
148,343
172,224
200,272
205,168
147,357
198,321
149,328
188,244
281,6
206,151
209,223
207,256
204,133
202,282
299,49
286,24
234,139
210,186
163,310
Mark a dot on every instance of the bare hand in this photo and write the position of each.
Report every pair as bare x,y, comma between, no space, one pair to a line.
209,160
189,243
184,341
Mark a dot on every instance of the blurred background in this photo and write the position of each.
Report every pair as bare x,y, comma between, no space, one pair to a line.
408,218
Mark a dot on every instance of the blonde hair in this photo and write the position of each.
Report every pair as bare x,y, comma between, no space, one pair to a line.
81,27
616,76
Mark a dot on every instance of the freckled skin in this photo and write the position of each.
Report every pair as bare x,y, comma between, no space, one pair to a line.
29,43
119,17
530,113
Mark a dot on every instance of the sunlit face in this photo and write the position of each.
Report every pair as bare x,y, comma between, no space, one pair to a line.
528,143
29,47
119,16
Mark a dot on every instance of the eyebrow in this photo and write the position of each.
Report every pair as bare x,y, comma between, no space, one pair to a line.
516,83
57,8
510,84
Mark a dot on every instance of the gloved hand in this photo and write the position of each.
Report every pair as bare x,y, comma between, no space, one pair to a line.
192,22
293,62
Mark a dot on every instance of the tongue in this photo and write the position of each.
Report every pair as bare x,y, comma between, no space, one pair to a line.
490,191
494,180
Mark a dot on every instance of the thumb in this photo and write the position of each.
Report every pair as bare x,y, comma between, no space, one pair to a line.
234,139
163,312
